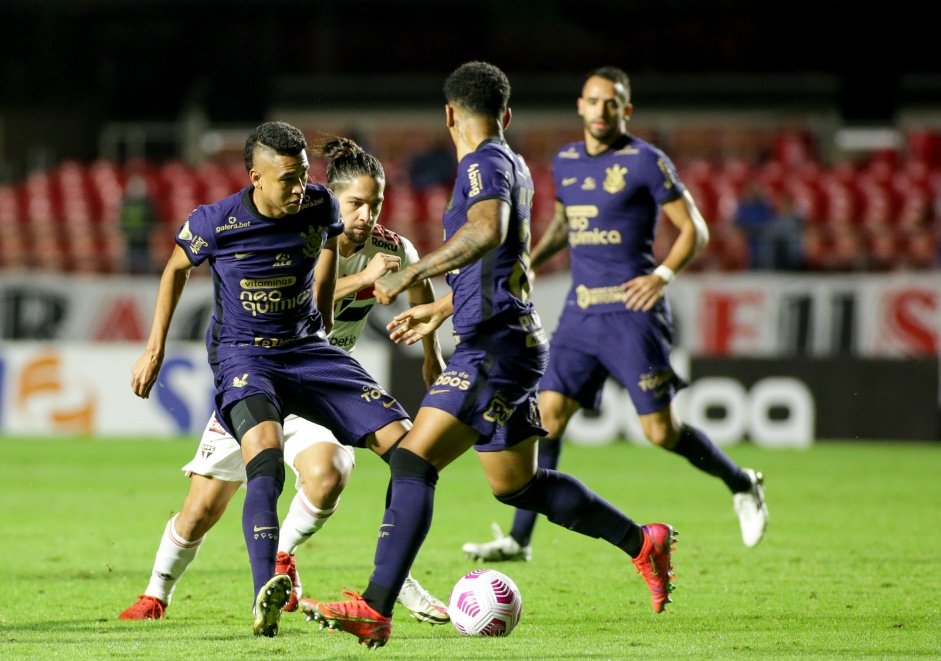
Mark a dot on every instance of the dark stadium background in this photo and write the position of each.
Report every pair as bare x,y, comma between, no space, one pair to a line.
70,66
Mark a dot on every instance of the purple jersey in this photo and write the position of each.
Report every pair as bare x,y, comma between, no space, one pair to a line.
497,284
612,201
266,336
262,269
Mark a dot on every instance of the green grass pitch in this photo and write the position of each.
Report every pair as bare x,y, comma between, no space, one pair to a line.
850,567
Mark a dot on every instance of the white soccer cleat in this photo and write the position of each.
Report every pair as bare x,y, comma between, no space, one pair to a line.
422,605
751,509
503,547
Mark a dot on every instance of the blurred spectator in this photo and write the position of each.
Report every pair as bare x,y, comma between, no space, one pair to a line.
753,215
773,235
781,248
138,218
432,167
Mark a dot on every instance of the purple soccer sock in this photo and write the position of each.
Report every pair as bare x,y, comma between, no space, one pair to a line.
260,527
404,527
524,521
707,457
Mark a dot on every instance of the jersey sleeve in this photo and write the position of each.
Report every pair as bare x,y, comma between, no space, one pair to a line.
409,252
196,237
665,185
335,228
486,175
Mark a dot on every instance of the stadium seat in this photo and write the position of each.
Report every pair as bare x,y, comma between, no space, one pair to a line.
890,197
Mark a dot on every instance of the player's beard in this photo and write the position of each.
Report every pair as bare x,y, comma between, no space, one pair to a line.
354,238
607,135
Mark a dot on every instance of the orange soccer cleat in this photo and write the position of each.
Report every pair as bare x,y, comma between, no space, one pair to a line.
653,563
285,563
354,616
145,608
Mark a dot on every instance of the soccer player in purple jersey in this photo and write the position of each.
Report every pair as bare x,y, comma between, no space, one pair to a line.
266,341
322,464
616,322
486,397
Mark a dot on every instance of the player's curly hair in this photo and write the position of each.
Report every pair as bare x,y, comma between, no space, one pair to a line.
478,87
280,137
615,75
346,161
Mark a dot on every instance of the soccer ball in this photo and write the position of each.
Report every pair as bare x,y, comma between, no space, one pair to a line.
485,603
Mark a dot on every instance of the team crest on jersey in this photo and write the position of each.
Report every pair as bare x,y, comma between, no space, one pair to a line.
313,242
614,178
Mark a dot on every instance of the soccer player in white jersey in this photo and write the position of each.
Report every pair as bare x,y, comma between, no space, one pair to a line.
367,251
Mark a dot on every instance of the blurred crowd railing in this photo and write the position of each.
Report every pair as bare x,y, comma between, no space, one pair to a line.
880,212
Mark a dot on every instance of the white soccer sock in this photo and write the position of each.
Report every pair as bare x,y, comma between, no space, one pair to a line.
173,557
302,521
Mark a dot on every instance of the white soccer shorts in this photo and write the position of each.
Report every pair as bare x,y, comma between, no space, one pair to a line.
220,456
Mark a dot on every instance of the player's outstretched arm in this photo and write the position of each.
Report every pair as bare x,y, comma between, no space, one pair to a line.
423,293
325,281
555,238
145,370
643,292
694,233
417,322
485,229
380,264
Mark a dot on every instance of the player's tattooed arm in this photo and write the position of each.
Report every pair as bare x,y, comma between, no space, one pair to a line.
485,229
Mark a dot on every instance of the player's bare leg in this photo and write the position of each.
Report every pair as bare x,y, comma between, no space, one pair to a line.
183,535
323,470
664,429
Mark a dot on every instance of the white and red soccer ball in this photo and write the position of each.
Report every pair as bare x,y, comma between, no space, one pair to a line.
485,602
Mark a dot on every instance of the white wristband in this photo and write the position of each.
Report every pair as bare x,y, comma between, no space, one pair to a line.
665,273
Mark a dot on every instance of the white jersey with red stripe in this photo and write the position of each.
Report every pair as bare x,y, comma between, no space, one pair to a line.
349,314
